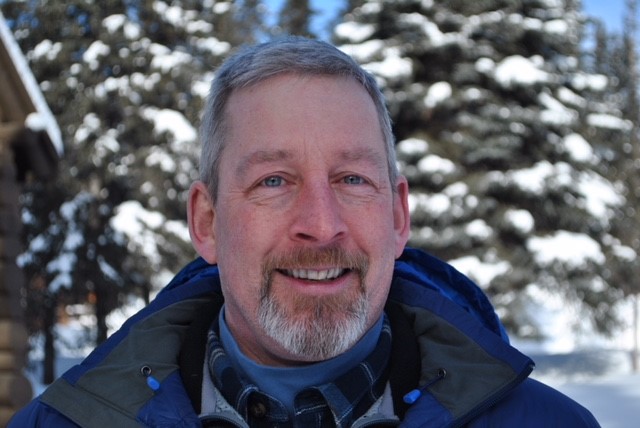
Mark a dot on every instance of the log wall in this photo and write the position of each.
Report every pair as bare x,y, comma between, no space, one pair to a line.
15,389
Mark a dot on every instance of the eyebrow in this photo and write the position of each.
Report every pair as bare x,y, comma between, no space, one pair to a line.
363,154
261,157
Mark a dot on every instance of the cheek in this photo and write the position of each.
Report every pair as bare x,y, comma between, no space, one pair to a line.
379,284
379,241
240,245
246,222
234,230
240,284
375,228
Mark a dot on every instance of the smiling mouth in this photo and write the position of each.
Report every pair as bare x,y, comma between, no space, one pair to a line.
315,274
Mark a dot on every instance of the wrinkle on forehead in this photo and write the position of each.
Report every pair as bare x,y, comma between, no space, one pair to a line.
262,156
266,156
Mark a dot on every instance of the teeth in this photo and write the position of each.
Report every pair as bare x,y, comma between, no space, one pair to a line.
315,275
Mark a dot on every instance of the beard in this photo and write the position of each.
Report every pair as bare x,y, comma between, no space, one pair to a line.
315,328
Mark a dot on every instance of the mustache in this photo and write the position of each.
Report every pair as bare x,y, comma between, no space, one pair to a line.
309,258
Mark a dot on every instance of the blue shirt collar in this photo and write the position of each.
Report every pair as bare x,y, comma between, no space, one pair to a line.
284,383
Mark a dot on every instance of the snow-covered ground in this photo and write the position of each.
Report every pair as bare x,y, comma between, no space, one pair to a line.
595,371
614,400
599,379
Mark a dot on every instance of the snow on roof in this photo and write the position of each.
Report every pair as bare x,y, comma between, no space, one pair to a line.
42,118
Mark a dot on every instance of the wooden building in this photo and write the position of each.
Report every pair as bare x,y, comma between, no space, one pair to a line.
30,145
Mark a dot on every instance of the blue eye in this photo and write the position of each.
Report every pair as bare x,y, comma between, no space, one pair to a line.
353,179
273,181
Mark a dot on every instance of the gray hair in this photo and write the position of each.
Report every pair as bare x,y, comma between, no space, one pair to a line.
255,64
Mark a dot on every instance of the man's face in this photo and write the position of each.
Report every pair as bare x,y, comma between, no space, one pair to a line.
306,225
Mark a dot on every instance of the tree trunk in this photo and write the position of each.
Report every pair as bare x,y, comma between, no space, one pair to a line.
101,314
48,370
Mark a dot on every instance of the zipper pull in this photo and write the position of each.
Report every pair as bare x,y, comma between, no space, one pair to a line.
412,396
152,382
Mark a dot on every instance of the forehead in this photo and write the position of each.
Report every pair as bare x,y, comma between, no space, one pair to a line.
299,110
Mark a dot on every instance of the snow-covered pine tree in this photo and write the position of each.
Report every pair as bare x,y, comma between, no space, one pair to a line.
492,112
616,55
631,111
126,82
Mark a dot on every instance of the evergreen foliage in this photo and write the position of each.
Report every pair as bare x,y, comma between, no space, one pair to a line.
520,150
505,140
616,55
126,82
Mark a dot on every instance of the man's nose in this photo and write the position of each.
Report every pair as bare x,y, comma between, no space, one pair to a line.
318,216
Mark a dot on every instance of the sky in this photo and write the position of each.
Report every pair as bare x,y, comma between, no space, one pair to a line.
610,11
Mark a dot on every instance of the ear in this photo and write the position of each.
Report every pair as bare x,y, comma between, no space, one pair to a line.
401,217
200,216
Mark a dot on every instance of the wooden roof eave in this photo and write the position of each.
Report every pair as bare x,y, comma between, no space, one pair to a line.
20,93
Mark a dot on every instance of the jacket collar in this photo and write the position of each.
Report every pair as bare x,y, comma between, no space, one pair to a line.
453,323
478,364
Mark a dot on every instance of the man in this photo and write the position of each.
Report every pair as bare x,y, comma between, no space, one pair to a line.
305,309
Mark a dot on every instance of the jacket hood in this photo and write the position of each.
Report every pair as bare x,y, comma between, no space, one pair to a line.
432,273
467,364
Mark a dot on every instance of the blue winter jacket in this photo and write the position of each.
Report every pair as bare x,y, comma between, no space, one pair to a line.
467,373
